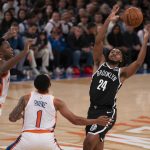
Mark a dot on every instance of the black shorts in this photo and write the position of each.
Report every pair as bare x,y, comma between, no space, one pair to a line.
95,112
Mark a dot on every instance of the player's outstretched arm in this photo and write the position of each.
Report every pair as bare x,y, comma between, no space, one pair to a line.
98,46
13,61
126,72
77,120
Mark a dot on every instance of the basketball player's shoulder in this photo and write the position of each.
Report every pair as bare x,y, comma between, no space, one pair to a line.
26,97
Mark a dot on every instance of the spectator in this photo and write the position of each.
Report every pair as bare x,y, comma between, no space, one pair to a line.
115,38
62,6
6,22
76,41
98,19
42,51
54,22
9,4
131,43
31,34
48,11
22,4
62,55
104,10
17,44
21,16
141,36
84,21
30,19
66,23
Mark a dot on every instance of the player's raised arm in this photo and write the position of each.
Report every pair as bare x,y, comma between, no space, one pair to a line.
128,71
4,67
98,46
77,120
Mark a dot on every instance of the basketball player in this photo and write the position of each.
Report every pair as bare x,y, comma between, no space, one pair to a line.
7,61
39,112
106,81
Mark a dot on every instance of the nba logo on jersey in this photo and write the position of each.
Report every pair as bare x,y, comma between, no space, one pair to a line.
93,127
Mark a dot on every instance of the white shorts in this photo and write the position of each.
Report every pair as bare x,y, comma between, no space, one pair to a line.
35,141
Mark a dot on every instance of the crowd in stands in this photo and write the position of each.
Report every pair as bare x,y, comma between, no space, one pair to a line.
63,32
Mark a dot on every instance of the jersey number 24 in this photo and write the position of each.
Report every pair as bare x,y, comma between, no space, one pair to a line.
102,85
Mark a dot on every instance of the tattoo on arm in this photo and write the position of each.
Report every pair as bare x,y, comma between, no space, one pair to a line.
16,114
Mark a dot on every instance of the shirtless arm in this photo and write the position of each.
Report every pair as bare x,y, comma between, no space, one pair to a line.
126,72
98,46
77,120
16,113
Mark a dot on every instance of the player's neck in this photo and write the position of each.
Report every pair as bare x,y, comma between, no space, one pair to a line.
112,65
43,92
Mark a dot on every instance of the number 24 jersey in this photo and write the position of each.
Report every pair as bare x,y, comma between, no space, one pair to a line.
104,85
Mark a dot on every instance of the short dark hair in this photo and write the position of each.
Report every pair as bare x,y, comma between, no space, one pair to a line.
42,82
124,56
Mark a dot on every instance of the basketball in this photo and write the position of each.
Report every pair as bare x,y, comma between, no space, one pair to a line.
132,17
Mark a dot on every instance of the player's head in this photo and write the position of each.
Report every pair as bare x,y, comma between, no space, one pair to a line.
5,49
42,83
116,57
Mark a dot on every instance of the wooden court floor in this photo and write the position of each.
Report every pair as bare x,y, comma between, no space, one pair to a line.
132,129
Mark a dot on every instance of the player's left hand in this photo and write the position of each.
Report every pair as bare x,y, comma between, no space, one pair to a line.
113,16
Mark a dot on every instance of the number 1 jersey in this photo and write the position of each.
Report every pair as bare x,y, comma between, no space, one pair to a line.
104,85
40,113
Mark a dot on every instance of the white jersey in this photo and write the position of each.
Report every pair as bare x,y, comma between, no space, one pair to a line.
4,85
40,113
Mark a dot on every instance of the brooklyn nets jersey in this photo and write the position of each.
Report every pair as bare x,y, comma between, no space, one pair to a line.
104,85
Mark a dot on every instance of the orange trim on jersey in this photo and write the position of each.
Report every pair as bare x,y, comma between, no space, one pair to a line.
39,131
38,119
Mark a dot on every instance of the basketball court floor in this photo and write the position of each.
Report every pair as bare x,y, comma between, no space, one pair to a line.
132,129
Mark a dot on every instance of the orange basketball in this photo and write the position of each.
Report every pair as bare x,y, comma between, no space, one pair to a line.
133,17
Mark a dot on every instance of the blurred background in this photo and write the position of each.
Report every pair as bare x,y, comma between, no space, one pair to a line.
63,34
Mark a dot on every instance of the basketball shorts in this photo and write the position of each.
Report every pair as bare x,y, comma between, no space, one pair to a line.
95,112
35,141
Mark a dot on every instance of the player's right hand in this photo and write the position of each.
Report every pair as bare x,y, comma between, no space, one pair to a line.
104,120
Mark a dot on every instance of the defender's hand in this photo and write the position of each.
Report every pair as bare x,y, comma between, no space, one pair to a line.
103,120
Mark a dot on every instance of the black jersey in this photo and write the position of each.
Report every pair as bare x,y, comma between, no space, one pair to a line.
104,85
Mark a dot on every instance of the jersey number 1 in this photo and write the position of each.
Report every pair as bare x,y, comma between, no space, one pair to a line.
102,85
38,119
